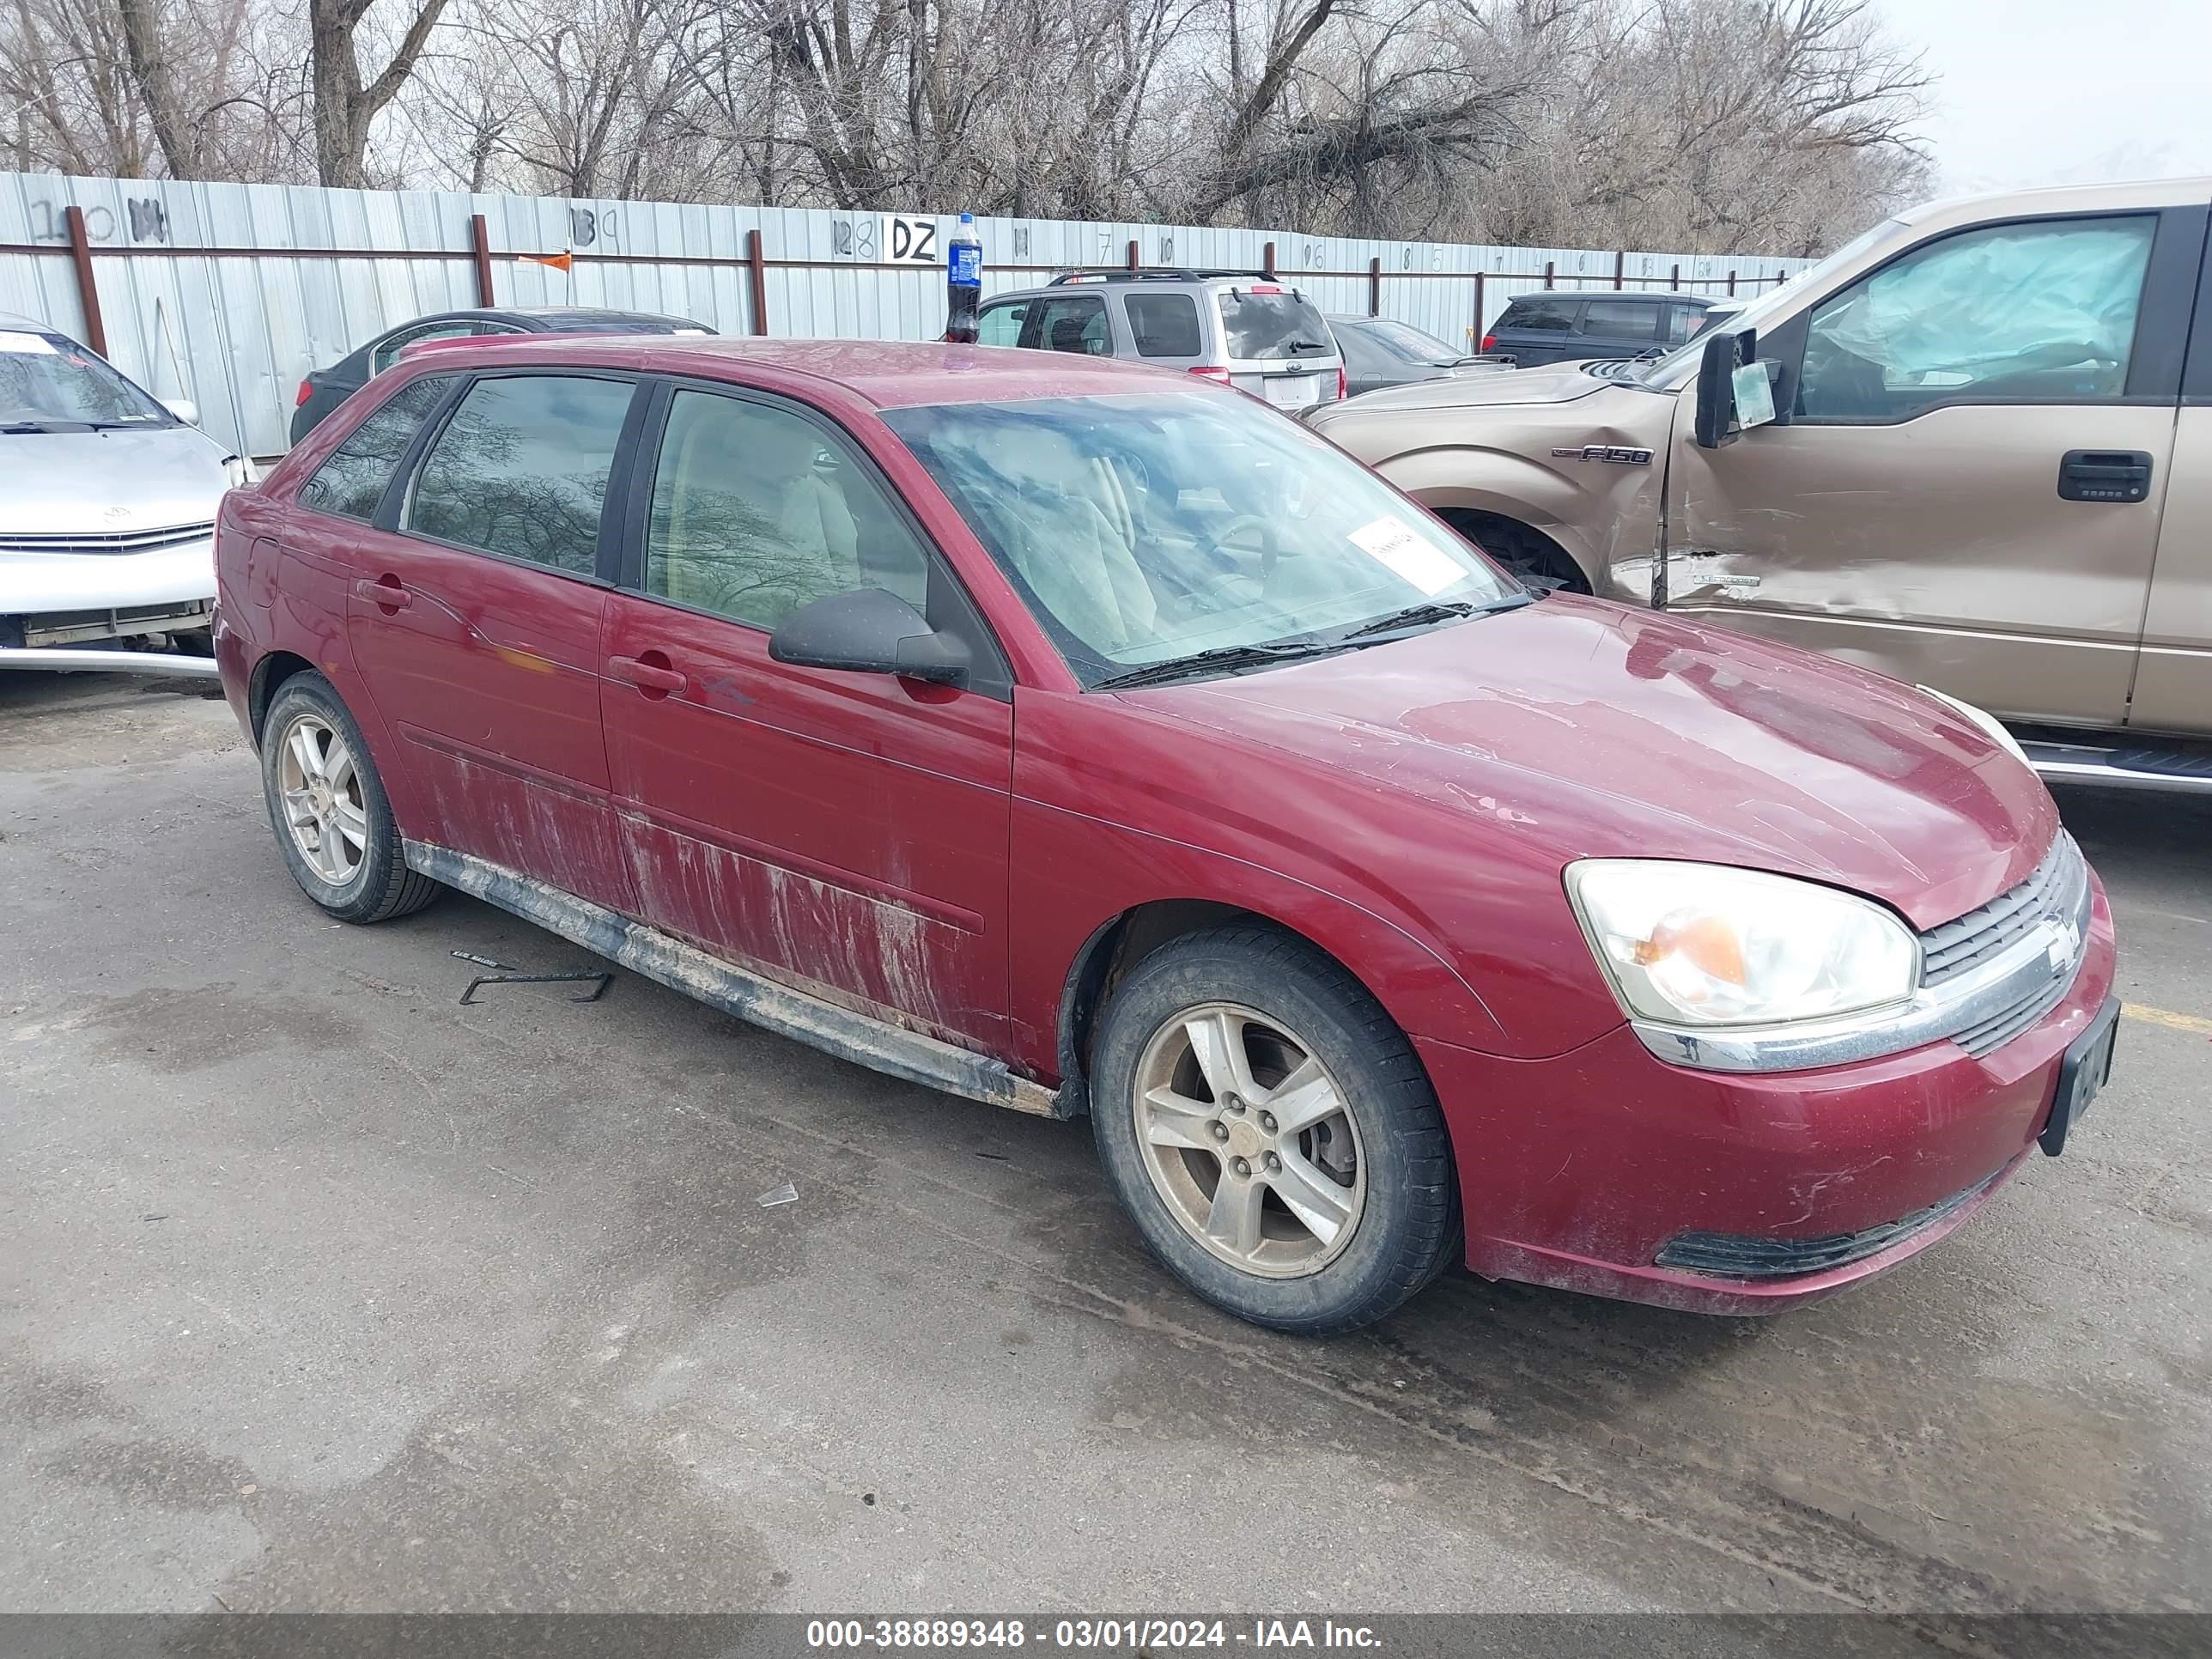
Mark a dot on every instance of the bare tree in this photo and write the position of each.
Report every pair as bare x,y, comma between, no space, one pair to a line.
345,106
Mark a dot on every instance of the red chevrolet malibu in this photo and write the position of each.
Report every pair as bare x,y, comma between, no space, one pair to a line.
1092,741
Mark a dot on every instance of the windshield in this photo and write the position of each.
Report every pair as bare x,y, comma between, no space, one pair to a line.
1677,366
47,381
1404,340
1144,529
1267,323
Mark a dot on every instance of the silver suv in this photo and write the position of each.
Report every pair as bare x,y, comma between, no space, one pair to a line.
1242,328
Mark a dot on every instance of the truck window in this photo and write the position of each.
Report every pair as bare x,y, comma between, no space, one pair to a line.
2041,313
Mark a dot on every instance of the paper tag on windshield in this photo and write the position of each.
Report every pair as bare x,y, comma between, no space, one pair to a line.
36,345
1393,542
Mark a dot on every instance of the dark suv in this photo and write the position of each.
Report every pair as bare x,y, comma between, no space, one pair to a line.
1557,328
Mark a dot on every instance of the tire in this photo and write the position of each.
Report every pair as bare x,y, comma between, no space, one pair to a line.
344,851
194,641
1529,554
1164,1130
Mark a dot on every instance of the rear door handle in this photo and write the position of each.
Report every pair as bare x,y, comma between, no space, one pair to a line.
650,673
385,591
2104,475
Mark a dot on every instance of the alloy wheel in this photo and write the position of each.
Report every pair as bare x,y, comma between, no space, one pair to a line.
320,788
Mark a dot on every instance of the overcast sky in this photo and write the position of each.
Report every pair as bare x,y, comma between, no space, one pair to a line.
2036,91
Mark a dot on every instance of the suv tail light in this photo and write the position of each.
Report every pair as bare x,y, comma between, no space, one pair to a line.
1489,343
307,390
1343,386
1208,372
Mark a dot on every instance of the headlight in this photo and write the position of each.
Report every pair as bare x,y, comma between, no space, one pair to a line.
1981,717
1706,945
242,472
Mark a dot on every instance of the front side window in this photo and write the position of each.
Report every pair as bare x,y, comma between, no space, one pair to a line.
1683,321
521,468
758,511
2028,312
1267,324
48,380
352,480
1145,528
1000,325
1622,319
1164,325
1076,323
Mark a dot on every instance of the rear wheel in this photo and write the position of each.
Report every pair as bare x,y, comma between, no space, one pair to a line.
1271,1132
327,806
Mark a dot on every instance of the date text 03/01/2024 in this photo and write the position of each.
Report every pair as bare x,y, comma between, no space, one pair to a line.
1071,1635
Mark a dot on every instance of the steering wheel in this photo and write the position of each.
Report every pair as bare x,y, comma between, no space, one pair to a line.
1216,542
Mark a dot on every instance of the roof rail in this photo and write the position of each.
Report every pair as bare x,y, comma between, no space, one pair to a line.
1150,274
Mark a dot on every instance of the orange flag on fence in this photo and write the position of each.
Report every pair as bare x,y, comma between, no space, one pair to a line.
558,261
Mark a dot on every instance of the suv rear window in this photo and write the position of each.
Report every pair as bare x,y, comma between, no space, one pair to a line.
1272,323
1557,316
1165,324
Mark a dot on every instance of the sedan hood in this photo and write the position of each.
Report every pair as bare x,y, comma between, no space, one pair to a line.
108,482
1596,730
1501,385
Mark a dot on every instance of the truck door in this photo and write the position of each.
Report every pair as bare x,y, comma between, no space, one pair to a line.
1966,493
2173,682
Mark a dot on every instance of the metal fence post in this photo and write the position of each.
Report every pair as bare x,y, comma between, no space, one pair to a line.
1478,308
1136,255
1268,260
480,246
1620,268
1731,285
1374,287
756,271
1551,273
1674,281
88,291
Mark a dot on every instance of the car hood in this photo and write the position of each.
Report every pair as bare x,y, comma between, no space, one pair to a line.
77,484
1596,730
1516,386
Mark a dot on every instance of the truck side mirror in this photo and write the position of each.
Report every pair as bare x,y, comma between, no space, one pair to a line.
1736,391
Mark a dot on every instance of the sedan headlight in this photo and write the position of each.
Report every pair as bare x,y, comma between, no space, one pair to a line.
1981,717
1707,944
241,473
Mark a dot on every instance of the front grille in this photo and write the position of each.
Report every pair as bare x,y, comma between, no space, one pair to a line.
121,541
2058,890
2056,885
1740,1255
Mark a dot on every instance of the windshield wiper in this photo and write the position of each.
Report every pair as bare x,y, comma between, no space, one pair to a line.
24,426
1220,656
1305,345
1417,616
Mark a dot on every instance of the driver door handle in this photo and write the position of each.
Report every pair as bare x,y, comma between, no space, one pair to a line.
385,591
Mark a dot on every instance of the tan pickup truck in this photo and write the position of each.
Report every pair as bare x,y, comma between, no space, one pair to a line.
1972,448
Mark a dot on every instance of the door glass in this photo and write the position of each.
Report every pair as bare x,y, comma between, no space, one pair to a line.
1000,325
521,468
1683,321
388,354
1073,325
2021,313
352,480
756,511
1622,319
1165,324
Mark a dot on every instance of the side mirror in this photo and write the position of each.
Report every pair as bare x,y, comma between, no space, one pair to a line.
868,631
184,409
1736,391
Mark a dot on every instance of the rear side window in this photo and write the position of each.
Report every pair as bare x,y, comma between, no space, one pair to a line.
1555,316
1622,319
352,480
1267,324
521,468
1075,324
1165,324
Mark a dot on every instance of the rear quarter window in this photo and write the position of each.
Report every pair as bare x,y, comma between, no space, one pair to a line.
1265,323
353,479
1163,324
1554,316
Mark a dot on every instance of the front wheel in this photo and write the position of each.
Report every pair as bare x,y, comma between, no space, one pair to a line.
327,806
1271,1132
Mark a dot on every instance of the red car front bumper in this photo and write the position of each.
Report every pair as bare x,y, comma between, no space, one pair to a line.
1577,1170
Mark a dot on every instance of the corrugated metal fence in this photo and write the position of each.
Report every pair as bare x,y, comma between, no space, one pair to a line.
228,293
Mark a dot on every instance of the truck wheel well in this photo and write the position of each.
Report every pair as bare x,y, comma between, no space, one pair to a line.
271,672
1525,550
1118,946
